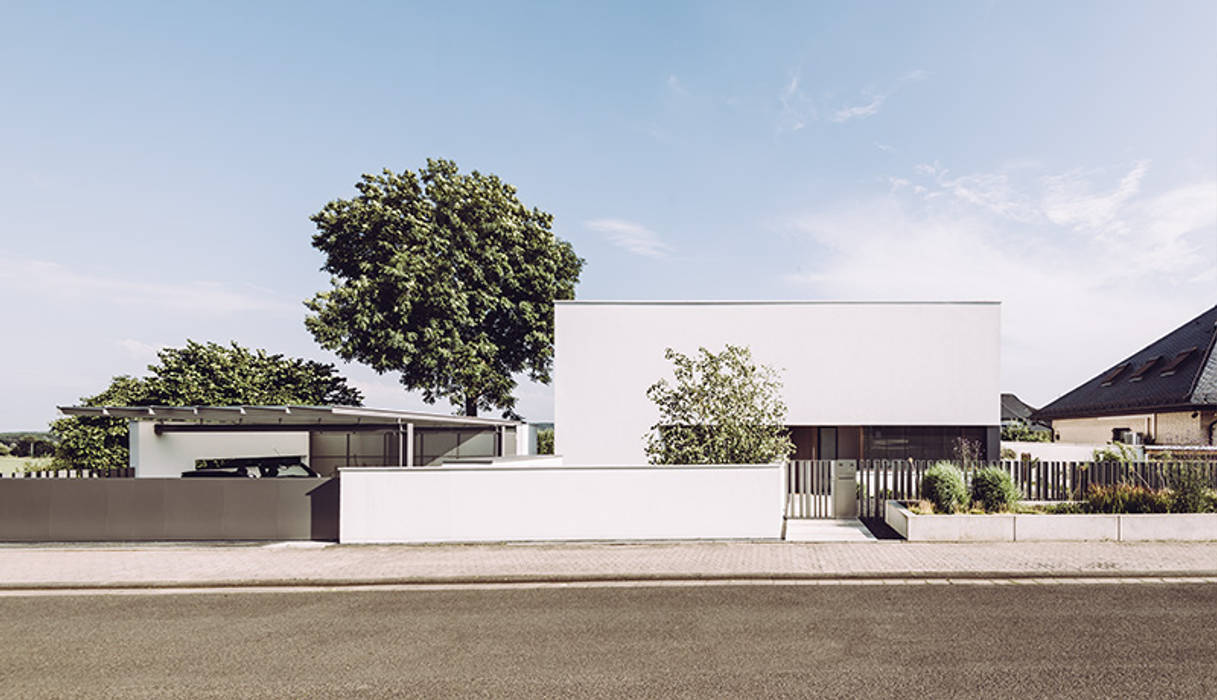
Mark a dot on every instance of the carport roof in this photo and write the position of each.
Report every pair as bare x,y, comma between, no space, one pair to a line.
284,415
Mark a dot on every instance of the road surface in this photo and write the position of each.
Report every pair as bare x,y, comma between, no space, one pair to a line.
912,641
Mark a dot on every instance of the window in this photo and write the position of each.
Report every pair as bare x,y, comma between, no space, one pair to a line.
918,441
1145,368
1109,378
1177,360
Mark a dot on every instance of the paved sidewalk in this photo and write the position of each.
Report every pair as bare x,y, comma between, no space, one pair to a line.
103,566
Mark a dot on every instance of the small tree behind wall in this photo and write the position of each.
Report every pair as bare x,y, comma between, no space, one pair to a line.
722,408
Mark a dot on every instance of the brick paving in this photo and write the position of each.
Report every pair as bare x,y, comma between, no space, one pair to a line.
86,566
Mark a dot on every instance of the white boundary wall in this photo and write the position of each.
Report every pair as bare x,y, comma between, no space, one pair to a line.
1063,451
171,453
499,503
844,363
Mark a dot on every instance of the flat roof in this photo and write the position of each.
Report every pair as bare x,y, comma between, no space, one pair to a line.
284,415
757,302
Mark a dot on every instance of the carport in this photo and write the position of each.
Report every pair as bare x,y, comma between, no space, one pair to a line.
168,440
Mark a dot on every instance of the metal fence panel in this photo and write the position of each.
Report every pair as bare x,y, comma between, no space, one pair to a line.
130,510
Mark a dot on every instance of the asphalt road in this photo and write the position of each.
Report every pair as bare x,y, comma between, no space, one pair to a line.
748,641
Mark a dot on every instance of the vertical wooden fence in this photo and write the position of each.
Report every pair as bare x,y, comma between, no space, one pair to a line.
123,473
882,479
809,488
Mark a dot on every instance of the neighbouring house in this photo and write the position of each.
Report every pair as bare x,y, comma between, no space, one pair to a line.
168,440
862,380
1164,394
1014,411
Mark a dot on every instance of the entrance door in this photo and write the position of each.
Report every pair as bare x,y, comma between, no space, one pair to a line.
828,443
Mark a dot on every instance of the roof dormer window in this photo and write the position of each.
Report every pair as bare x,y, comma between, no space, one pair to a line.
1172,366
1144,369
1110,377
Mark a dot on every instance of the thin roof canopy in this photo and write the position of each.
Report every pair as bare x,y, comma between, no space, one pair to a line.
284,415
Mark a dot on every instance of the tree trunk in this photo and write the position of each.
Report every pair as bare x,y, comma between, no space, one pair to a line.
471,406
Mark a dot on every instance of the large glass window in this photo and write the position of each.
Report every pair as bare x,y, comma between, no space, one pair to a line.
918,441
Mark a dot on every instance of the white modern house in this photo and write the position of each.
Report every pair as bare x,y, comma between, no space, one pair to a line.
166,441
862,380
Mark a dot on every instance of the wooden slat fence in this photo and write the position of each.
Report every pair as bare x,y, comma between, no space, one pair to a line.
809,488
881,479
124,473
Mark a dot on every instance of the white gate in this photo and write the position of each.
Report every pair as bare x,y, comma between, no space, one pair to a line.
809,488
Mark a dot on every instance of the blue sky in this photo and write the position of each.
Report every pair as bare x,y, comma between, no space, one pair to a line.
160,163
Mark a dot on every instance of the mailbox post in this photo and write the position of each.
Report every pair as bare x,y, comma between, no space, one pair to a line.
845,488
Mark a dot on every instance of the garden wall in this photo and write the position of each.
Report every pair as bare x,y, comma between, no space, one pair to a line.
1010,527
503,503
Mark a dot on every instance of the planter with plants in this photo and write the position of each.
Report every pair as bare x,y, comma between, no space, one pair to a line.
990,510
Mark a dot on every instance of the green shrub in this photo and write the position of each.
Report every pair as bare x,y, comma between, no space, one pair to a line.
994,490
943,485
545,441
1118,452
1067,508
1123,498
1021,432
1189,490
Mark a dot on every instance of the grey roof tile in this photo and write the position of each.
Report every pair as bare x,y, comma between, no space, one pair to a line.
1193,383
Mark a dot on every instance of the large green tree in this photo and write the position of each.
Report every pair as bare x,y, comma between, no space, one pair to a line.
443,277
198,374
722,408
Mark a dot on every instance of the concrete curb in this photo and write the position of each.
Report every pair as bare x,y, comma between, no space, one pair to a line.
594,578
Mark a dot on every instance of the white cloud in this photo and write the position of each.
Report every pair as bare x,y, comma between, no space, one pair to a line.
861,111
139,349
1069,201
797,110
675,85
50,280
1084,278
631,236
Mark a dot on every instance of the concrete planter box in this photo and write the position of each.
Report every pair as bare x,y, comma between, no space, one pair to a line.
1008,527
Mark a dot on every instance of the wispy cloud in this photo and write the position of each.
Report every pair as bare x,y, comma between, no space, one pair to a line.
796,108
1070,258
1069,199
53,280
861,111
140,350
873,101
631,236
676,86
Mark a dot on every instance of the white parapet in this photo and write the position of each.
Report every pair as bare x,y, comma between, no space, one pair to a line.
505,503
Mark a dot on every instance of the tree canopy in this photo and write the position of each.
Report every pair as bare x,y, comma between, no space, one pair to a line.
445,278
198,374
723,408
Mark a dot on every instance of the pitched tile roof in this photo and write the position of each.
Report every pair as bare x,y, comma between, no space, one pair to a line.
1013,408
1177,371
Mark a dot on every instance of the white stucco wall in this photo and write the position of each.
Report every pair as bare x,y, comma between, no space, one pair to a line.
1063,451
171,453
845,364
499,503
